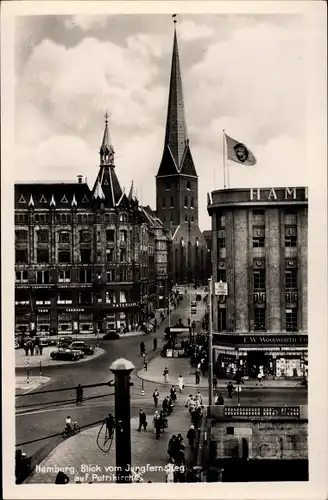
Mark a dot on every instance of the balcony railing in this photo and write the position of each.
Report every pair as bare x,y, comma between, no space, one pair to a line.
262,411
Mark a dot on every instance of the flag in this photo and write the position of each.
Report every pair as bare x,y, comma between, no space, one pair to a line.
238,152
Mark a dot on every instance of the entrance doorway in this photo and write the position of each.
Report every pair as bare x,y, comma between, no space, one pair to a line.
255,359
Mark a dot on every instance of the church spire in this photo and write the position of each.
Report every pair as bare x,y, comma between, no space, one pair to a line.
106,150
176,136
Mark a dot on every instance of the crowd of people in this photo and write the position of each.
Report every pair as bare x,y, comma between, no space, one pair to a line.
32,346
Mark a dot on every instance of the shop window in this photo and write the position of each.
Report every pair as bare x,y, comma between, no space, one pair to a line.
122,298
192,203
85,236
42,277
43,256
110,298
64,257
43,236
21,276
110,255
21,236
42,297
222,275
21,257
222,320
122,255
64,276
259,279
291,278
22,297
258,217
110,276
85,276
64,297
85,256
186,202
188,185
110,235
259,320
291,320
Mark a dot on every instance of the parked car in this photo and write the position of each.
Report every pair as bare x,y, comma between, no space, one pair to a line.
82,346
66,354
64,341
46,341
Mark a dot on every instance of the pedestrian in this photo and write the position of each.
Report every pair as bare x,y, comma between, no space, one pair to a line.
239,377
188,401
155,343
171,447
192,405
165,405
199,398
157,425
166,375
155,397
79,394
259,377
191,436
26,347
142,420
215,383
40,349
173,394
31,345
197,376
180,383
219,400
142,348
230,388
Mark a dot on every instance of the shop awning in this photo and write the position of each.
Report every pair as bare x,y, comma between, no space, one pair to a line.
251,348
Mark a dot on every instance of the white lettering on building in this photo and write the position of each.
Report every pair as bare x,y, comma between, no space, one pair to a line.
256,192
290,192
272,195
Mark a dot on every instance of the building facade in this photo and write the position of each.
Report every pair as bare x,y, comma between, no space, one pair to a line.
177,187
84,257
259,254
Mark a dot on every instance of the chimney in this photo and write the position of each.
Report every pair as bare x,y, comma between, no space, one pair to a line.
79,179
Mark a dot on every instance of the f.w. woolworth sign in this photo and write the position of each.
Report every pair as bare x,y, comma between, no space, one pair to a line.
271,339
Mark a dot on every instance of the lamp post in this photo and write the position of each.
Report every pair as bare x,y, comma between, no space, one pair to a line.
122,368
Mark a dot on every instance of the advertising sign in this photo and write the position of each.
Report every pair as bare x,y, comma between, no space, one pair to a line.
221,288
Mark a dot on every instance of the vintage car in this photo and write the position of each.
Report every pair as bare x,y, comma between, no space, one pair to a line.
64,354
64,341
82,346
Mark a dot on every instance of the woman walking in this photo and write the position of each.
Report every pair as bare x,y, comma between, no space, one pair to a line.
180,383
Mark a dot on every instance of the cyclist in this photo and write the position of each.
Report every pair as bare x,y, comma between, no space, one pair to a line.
68,423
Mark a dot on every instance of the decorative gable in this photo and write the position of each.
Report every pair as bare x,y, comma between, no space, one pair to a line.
64,199
21,199
85,199
43,199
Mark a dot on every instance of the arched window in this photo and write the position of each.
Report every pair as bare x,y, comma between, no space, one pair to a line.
188,185
186,218
192,218
191,202
186,201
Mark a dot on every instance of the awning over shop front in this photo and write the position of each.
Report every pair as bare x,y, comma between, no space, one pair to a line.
220,349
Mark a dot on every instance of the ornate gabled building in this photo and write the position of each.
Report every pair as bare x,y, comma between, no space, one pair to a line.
78,254
177,187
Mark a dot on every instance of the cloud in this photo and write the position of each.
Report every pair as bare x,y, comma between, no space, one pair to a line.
190,31
86,23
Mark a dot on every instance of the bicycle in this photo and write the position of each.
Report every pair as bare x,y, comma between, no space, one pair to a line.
71,431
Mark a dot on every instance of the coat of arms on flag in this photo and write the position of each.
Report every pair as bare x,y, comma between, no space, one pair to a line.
238,152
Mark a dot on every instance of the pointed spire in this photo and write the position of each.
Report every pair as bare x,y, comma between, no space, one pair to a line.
176,136
52,201
98,192
74,202
131,195
106,150
31,202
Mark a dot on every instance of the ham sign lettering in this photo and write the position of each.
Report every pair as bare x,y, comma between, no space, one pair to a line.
278,194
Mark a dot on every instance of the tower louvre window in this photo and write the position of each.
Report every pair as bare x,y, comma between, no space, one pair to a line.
188,185
192,202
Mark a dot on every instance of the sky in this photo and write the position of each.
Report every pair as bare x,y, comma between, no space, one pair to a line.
242,73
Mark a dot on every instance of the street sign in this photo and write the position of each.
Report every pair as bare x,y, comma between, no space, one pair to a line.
179,330
221,288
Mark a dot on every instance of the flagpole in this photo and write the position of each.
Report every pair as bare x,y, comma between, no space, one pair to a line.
224,165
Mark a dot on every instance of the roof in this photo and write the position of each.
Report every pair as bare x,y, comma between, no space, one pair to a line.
58,195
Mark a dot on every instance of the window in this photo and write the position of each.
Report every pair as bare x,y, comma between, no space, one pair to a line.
123,218
258,241
44,218
186,218
122,297
221,243
43,256
110,276
64,257
291,278
21,236
123,275
291,320
85,255
110,255
258,217
42,277
110,235
63,218
171,202
63,237
85,276
188,185
64,276
85,236
191,202
192,218
123,235
21,218
259,279
21,276
110,298
186,202
21,257
291,236
290,218
222,320
259,320
64,297
43,236
163,203
230,431
221,221
122,255
85,298
222,275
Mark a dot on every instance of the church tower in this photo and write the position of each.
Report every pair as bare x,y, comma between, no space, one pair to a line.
177,185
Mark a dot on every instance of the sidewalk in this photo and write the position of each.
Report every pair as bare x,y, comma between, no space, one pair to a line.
181,366
22,386
71,455
23,361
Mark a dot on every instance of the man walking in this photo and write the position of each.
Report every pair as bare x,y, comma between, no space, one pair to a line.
197,376
142,420
180,383
142,348
191,436
155,343
230,388
155,397
166,375
215,383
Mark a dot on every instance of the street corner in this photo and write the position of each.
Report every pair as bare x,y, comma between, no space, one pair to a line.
22,361
176,367
24,385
